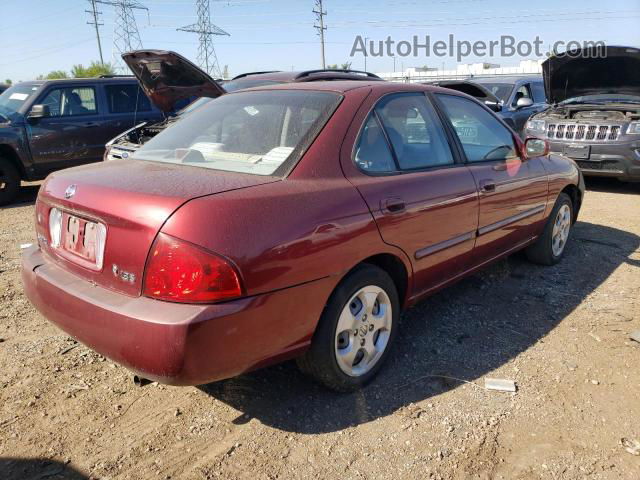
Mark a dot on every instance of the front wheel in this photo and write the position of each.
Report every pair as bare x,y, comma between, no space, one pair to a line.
9,182
355,331
550,246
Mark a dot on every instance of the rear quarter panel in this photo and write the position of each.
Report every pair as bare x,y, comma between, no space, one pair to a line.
313,224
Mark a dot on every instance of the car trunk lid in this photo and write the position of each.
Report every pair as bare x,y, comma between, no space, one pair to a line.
132,199
167,78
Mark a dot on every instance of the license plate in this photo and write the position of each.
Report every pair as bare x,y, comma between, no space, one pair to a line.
577,151
80,237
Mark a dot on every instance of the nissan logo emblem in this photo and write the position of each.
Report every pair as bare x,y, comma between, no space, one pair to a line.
70,191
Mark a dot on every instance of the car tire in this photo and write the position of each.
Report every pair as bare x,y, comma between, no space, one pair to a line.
9,182
355,332
550,246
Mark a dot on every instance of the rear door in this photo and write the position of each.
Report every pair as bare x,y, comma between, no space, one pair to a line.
73,133
423,200
513,192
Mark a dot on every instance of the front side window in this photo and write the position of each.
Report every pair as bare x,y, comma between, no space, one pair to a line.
413,131
126,99
247,132
71,101
481,134
522,92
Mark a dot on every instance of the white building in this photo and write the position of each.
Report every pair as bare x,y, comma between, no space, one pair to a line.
462,71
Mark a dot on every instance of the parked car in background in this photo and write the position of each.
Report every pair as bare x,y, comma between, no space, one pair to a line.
53,124
3,87
172,69
292,220
595,113
513,98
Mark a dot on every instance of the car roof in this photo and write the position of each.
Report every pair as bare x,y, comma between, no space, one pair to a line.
309,75
344,86
105,79
512,79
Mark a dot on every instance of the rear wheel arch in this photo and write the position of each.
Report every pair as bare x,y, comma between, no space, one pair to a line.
394,267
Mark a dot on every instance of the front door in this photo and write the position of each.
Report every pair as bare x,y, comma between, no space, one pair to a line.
513,191
423,199
72,134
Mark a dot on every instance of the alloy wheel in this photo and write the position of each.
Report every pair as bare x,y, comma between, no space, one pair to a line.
363,330
561,228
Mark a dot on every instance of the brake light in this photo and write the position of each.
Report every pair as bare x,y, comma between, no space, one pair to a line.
179,271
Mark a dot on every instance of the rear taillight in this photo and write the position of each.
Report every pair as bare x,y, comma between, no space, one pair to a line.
179,271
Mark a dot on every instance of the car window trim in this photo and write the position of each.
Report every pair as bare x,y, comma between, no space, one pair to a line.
458,161
459,142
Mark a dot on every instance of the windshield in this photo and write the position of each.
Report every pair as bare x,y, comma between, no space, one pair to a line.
245,132
500,90
603,98
194,105
13,98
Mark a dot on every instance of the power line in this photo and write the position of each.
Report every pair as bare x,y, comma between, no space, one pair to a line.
320,14
205,29
126,36
96,23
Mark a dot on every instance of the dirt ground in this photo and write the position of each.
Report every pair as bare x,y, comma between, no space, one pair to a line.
562,333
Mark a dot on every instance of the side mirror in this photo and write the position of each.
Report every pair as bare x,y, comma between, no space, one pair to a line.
494,106
412,113
535,147
524,102
39,111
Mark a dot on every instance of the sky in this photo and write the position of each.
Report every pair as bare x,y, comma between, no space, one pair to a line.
38,36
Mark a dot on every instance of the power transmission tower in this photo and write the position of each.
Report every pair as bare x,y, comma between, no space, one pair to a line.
126,36
96,23
205,29
320,13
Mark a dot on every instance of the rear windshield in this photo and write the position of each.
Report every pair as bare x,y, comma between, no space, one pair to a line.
260,132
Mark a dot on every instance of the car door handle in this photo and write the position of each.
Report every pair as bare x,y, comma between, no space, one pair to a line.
393,205
487,186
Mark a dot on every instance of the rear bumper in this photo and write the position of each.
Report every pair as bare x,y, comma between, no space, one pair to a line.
617,159
175,343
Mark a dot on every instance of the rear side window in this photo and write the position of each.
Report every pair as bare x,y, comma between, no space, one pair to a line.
71,101
373,153
413,132
126,99
481,134
248,132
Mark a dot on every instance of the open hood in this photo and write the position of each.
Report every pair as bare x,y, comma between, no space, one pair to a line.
167,77
474,89
580,72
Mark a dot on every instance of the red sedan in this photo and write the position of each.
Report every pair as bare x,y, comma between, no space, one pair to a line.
290,221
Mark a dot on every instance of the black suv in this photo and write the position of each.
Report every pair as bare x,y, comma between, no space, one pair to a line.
595,113
53,124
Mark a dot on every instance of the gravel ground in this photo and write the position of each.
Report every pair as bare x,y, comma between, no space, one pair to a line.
561,333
